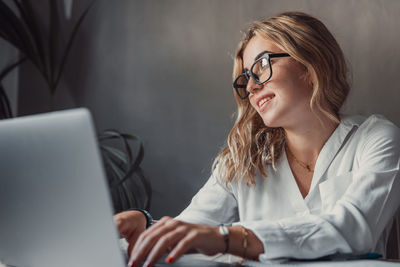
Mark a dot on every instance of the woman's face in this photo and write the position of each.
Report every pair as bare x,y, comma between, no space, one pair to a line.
283,101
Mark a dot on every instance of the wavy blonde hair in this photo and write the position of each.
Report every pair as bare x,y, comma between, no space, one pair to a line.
251,145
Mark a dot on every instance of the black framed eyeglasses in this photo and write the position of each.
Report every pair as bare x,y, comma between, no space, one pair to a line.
260,71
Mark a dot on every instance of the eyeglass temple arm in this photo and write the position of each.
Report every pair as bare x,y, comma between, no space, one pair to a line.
279,55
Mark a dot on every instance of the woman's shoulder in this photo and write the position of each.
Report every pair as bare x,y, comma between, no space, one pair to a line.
374,129
372,124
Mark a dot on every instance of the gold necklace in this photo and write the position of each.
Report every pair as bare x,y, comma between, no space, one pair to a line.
302,164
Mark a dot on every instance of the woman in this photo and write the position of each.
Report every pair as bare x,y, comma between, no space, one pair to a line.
296,179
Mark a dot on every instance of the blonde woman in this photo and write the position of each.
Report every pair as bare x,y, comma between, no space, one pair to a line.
296,179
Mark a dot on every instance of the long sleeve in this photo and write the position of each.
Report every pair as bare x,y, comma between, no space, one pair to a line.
355,222
212,205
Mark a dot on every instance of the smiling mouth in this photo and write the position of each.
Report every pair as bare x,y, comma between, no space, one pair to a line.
265,100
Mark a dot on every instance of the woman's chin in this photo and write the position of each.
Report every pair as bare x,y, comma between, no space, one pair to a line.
270,121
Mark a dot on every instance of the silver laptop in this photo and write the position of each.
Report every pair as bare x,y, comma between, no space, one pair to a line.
55,209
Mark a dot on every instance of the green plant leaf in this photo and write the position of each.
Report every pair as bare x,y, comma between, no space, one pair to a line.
134,166
111,174
28,15
7,30
110,164
131,138
14,29
147,187
132,199
69,44
130,189
124,195
139,157
54,21
5,103
8,69
8,35
116,153
114,134
117,169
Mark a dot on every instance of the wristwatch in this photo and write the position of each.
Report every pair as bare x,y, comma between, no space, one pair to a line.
224,231
149,219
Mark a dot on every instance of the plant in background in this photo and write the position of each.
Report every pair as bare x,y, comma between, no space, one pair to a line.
5,107
39,45
42,47
122,167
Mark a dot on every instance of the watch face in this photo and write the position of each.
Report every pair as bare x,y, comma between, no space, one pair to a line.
223,230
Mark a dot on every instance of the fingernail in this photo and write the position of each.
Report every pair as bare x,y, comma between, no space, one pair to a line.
170,259
131,263
146,264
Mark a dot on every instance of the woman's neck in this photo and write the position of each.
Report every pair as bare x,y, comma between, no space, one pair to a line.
306,139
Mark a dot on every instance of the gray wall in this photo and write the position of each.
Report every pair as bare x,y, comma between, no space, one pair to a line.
162,70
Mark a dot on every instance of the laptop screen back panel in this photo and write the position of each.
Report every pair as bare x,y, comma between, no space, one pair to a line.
54,205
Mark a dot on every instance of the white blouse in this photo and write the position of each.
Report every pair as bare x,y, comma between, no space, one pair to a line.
354,194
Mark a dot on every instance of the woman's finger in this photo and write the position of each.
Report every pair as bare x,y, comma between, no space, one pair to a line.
182,247
149,238
165,244
149,232
132,241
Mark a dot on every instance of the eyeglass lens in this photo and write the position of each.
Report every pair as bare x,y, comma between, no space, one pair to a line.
241,85
260,71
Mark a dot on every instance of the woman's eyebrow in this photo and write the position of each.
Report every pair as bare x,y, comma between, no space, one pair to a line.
261,54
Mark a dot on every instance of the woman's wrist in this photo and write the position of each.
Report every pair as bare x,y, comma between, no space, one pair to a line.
149,218
221,240
224,231
244,243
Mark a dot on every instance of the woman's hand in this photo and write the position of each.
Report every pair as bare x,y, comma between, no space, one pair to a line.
175,237
130,225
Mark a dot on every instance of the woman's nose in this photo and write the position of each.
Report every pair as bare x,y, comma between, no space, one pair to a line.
252,86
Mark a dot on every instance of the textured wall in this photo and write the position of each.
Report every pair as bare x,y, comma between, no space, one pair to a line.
162,70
